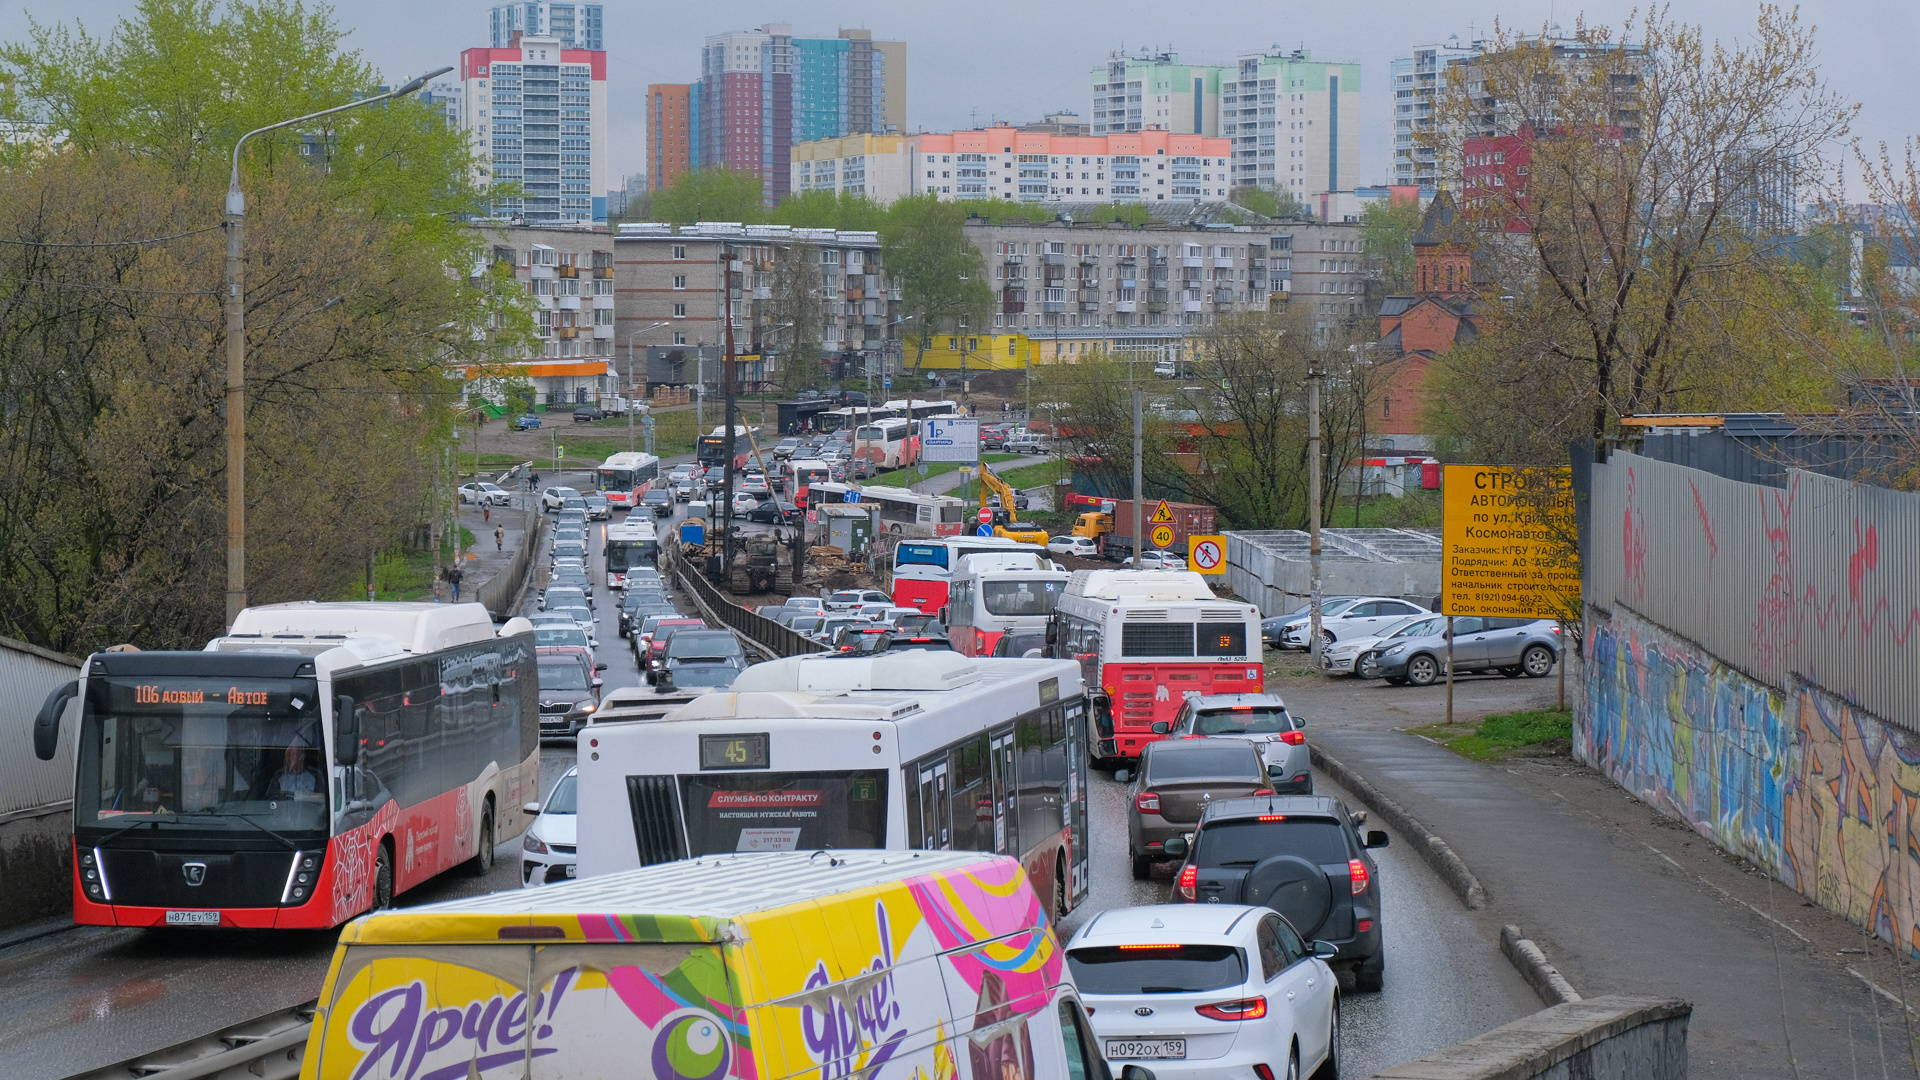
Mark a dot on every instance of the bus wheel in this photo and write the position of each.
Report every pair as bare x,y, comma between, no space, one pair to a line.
383,877
482,860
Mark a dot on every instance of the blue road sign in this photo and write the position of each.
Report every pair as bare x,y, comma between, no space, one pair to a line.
983,530
886,383
850,496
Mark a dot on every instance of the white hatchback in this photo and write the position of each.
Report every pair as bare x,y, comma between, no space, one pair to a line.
547,847
1082,546
1191,990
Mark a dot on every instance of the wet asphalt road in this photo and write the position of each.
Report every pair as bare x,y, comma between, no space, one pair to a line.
89,997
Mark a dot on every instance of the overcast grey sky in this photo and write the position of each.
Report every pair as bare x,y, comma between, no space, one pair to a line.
1001,59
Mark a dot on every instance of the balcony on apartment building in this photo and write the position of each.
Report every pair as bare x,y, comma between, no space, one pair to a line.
1191,301
1125,305
1013,301
1223,296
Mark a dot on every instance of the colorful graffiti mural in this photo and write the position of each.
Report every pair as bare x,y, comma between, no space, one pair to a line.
1816,791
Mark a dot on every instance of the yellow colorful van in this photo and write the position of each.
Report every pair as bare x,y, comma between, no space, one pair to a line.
851,965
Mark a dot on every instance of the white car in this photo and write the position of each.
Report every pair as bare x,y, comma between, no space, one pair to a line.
1353,616
483,492
744,502
546,848
848,599
1343,656
1207,990
1161,560
551,498
1082,546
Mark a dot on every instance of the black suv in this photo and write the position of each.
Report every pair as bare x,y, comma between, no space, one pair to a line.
1300,855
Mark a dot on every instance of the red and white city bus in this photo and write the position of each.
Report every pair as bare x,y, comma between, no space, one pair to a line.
1148,639
307,767
983,606
923,571
902,512
890,443
626,477
806,473
715,448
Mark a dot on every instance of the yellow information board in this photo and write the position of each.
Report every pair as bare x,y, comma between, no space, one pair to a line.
1507,554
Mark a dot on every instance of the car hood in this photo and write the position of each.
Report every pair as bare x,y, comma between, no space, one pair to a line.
555,828
565,697
1353,645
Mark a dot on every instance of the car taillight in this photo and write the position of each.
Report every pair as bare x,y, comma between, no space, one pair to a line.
1188,885
1358,871
1294,738
1263,791
1147,802
1243,1009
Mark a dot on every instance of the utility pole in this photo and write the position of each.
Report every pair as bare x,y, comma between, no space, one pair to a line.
727,388
1313,511
1139,493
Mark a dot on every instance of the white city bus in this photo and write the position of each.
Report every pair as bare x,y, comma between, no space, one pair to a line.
1149,639
902,512
630,544
889,444
625,477
923,571
984,605
313,763
910,750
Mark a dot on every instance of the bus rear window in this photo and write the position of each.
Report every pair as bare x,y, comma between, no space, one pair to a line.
784,811
920,555
1220,639
1020,597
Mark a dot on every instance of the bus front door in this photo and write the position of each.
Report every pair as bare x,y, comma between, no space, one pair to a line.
937,834
1006,822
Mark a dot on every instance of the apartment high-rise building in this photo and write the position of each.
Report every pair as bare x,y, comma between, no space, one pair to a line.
1294,122
1157,90
578,26
764,90
1149,166
537,116
1417,79
672,136
871,166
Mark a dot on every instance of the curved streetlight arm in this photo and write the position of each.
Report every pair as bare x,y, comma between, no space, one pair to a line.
237,203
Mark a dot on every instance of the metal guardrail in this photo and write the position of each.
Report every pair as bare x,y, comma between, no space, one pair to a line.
500,591
762,634
267,1048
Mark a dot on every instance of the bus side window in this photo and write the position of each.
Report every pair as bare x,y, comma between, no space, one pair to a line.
971,800
916,832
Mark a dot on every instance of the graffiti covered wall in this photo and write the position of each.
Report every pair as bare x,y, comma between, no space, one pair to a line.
1817,791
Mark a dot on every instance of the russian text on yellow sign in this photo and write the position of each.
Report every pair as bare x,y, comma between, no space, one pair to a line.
1505,553
1207,554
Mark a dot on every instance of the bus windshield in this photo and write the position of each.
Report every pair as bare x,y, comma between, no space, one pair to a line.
625,555
870,433
617,480
210,752
920,554
1020,597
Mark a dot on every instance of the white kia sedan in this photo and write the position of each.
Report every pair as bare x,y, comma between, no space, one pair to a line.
1207,990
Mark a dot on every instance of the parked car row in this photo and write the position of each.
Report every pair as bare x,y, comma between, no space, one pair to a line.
1384,637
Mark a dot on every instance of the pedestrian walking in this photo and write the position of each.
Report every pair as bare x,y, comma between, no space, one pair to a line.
499,538
454,577
486,512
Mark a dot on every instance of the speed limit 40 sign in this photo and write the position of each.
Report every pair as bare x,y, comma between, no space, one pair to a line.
1207,554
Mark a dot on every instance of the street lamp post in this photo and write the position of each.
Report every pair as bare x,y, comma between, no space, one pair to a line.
630,336
237,350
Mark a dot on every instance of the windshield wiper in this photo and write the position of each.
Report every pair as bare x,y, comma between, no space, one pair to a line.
1169,989
129,827
291,846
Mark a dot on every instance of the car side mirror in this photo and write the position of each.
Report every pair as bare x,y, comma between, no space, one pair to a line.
531,808
46,725
1122,775
1176,847
1053,633
1376,838
1136,1072
346,732
1299,722
596,683
1161,727
1325,950
599,667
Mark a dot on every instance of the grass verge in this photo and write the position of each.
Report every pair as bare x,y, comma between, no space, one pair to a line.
1541,731
1044,474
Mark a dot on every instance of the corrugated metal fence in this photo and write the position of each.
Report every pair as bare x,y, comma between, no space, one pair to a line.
1818,580
29,786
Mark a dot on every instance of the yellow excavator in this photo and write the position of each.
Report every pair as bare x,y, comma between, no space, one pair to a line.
1005,522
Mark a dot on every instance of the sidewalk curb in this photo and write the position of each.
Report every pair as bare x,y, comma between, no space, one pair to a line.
1532,964
1434,850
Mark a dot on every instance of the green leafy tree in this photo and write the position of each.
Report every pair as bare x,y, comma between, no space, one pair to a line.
1267,202
1387,229
711,194
941,276
822,209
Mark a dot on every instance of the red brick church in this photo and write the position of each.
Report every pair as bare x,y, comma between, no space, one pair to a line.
1416,329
